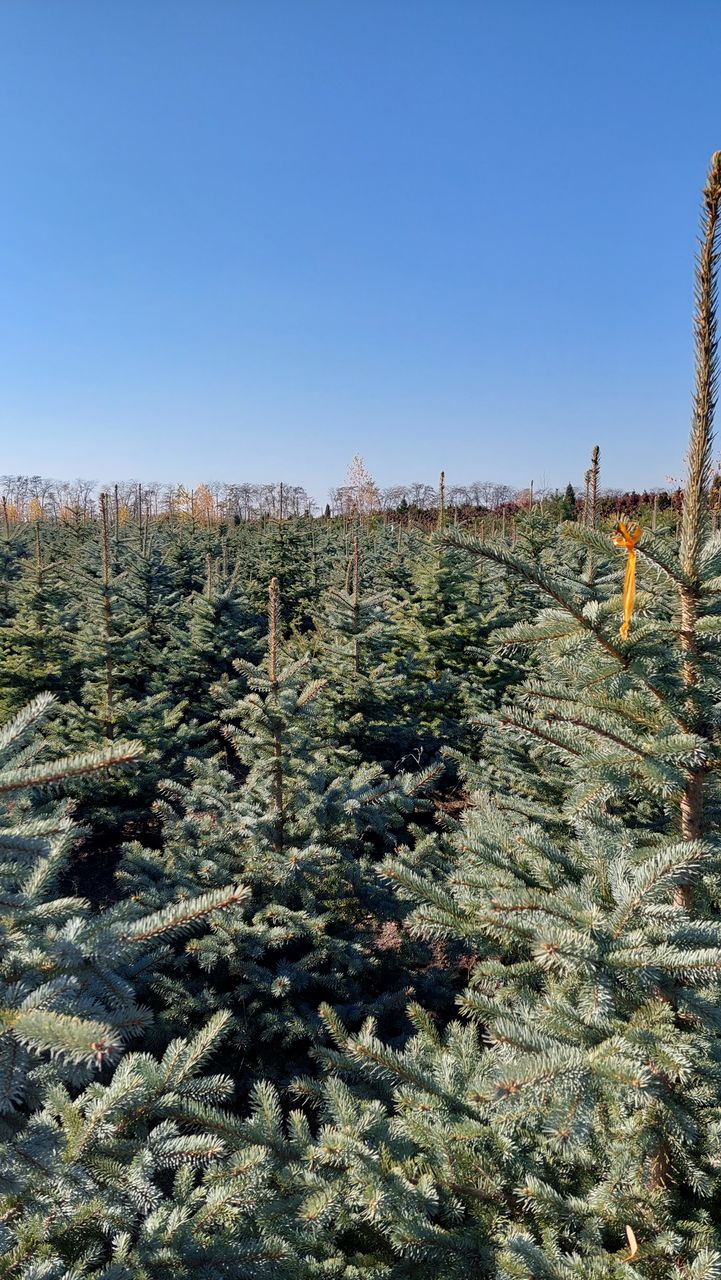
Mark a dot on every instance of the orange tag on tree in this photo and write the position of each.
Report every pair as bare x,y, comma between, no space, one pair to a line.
627,534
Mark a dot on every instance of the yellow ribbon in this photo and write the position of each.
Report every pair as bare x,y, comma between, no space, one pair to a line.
627,534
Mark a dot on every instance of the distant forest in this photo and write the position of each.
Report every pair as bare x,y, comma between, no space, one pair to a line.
28,498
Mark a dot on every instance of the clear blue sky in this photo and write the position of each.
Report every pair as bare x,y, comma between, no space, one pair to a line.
245,239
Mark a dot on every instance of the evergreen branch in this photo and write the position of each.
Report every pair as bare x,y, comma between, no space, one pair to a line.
29,718
662,872
75,1039
534,731
77,766
372,1055
601,733
626,712
652,547
183,1059
180,917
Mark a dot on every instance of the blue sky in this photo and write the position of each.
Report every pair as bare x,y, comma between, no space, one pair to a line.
246,239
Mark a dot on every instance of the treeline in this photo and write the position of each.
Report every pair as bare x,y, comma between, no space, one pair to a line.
25,499
30,498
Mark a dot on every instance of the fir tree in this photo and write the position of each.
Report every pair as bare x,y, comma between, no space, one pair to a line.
37,638
301,821
443,629
356,654
568,503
